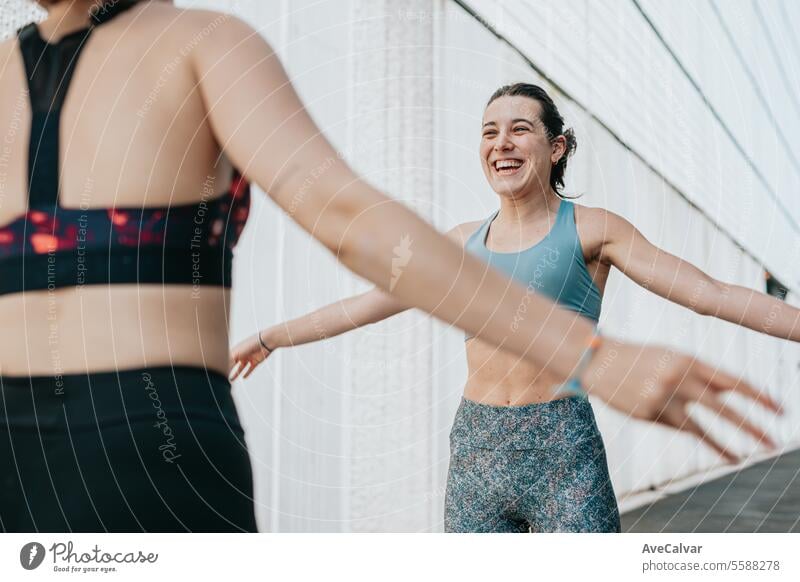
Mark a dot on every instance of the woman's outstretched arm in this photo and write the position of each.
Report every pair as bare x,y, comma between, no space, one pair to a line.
329,321
263,127
681,282
334,319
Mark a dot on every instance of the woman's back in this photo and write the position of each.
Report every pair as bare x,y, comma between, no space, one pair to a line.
134,134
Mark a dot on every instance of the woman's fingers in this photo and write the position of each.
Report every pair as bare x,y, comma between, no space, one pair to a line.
719,380
252,366
710,400
246,357
698,391
685,422
235,371
676,416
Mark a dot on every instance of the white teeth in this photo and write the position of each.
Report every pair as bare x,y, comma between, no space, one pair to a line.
501,164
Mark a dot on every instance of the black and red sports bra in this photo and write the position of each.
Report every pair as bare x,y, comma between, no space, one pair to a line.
51,247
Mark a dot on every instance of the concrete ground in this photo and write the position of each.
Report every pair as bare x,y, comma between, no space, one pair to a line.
762,498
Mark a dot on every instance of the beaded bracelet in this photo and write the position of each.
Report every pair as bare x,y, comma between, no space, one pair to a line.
573,387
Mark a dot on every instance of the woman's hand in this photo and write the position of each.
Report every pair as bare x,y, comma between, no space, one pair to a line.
656,384
248,354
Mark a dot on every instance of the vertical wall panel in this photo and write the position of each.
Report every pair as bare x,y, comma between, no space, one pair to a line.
390,395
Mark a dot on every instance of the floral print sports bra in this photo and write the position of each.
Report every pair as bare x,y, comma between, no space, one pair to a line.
51,247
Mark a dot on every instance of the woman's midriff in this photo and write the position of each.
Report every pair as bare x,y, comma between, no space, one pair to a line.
99,328
501,378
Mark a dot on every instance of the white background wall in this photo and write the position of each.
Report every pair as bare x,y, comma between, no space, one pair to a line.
350,434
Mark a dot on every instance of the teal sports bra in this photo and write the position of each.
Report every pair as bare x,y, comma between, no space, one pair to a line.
554,266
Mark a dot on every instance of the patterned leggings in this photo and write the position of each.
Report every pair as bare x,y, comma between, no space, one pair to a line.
540,467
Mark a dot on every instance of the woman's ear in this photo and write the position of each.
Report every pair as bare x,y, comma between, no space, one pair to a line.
559,149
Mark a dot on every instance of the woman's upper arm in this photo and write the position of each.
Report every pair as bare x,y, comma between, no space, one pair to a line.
259,120
653,268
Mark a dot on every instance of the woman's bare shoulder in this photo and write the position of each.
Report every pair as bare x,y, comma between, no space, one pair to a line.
191,27
7,47
592,215
196,21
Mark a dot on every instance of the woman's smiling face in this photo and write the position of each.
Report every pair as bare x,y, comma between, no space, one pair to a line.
517,155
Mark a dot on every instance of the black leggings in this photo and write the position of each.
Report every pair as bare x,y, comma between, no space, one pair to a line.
155,450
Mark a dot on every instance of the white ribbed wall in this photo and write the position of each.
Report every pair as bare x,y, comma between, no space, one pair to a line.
350,434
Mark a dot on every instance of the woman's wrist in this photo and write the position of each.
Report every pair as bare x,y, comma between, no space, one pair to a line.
586,370
576,384
267,341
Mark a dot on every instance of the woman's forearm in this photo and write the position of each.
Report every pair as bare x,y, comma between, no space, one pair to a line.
333,319
757,311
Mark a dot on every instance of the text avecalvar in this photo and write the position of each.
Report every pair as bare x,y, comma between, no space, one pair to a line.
671,549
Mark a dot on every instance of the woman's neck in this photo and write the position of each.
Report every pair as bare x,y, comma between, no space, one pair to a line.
69,16
65,17
529,208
